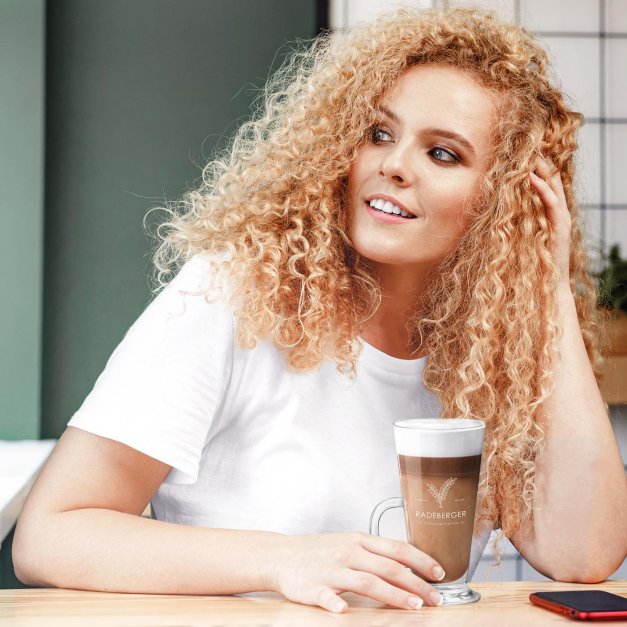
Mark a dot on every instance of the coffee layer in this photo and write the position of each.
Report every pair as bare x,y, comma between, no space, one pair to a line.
411,465
440,498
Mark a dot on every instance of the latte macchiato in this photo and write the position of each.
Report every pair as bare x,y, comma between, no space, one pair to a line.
439,461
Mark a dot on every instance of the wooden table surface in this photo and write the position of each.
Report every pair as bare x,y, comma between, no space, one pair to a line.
503,604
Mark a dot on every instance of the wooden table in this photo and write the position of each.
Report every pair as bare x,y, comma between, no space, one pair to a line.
502,604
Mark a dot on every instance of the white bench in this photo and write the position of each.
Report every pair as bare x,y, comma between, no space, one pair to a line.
20,463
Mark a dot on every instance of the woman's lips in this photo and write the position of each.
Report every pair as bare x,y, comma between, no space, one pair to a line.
386,218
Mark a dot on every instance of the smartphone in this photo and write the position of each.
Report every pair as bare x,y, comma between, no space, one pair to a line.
583,604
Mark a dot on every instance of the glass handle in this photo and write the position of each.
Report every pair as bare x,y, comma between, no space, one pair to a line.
380,509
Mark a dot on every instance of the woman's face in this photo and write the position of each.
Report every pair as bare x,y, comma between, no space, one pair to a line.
412,160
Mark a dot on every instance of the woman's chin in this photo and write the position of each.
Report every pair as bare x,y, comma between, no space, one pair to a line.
392,258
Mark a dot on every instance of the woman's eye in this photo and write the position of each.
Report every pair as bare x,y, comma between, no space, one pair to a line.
377,134
438,150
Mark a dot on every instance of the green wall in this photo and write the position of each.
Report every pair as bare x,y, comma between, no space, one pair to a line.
21,215
137,93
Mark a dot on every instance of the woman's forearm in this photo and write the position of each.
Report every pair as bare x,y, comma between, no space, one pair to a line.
99,549
580,509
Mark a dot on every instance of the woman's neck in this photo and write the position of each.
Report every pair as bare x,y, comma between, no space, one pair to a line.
402,290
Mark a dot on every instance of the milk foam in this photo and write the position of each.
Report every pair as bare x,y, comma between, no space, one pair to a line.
439,437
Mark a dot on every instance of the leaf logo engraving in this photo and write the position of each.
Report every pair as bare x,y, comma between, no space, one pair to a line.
440,495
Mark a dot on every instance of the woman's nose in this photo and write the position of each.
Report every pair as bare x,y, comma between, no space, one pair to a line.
394,166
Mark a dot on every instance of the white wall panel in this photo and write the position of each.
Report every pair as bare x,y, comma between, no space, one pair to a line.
588,163
591,222
553,15
616,82
574,60
615,16
504,9
344,13
617,226
616,159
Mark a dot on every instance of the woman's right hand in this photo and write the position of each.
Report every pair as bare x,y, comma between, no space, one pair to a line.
313,569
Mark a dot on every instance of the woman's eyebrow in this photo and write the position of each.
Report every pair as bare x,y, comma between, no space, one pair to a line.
442,132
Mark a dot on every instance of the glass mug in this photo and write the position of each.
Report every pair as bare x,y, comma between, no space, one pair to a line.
439,461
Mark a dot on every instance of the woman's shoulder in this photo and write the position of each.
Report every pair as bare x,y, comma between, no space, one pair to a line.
190,302
202,272
200,280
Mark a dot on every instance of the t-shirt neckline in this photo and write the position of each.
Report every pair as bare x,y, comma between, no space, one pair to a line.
378,358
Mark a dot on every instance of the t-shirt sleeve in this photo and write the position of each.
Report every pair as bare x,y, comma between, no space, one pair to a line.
161,390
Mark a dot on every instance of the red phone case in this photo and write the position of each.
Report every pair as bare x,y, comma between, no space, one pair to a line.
571,612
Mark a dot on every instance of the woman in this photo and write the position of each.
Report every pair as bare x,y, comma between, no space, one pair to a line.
394,236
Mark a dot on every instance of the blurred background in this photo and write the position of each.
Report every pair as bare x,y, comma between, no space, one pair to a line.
109,107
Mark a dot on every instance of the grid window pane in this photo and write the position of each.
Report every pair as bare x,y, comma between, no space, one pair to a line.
504,9
505,571
583,94
590,222
616,16
365,10
616,151
616,79
617,229
531,574
587,165
577,16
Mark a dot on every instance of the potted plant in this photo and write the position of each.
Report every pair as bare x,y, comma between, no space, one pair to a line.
612,286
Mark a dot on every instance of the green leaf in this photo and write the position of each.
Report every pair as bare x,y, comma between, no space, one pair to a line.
612,281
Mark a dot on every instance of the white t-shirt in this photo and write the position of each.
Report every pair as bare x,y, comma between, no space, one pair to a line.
252,444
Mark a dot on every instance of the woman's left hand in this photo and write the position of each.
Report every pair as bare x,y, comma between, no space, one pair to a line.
547,182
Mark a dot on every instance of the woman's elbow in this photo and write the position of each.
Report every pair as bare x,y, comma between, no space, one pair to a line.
20,566
26,558
594,572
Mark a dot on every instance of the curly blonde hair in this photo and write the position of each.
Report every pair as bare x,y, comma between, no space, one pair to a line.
272,214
